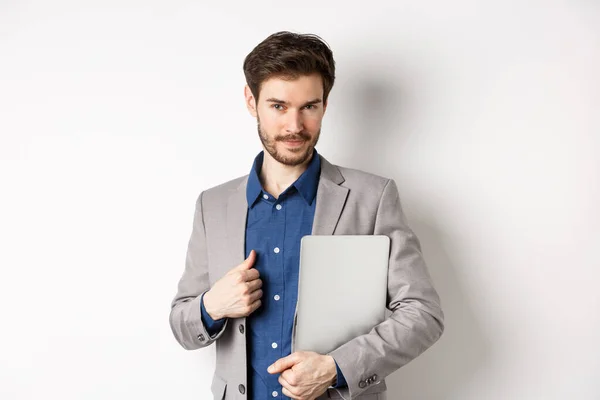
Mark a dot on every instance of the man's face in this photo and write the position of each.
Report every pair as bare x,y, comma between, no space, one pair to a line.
289,114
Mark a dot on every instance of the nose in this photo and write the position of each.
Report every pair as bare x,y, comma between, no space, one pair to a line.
294,122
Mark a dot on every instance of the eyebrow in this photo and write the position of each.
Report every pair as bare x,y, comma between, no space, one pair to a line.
274,100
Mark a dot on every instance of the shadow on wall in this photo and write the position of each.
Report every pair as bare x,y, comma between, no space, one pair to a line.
373,109
376,137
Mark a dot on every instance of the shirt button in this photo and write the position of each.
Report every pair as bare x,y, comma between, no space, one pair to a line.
278,206
274,345
276,250
265,196
276,297
274,394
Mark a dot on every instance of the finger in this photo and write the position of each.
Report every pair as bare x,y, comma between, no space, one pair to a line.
283,363
251,274
247,263
291,378
285,384
254,284
254,306
289,394
257,294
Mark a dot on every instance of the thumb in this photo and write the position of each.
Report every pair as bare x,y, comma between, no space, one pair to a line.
248,262
283,363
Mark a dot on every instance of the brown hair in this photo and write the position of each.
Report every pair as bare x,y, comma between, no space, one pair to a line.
289,55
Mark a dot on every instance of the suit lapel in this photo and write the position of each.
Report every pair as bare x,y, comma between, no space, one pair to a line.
237,212
331,198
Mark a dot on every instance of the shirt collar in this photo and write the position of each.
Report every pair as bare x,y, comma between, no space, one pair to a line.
306,184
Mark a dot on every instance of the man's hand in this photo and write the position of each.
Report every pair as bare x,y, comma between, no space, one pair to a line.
305,375
237,294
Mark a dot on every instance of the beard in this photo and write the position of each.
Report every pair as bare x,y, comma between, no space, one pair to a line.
298,156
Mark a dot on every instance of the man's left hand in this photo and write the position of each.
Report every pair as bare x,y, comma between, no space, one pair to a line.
305,375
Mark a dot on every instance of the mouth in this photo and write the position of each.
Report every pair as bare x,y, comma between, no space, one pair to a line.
293,143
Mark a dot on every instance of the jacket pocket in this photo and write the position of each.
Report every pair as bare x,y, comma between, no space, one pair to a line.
218,387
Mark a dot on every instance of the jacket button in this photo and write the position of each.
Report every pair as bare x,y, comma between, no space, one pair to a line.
374,377
241,328
201,337
362,384
242,389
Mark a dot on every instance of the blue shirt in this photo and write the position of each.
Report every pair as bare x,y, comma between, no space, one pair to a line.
274,228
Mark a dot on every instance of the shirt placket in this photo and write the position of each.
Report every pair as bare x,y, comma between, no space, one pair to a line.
276,255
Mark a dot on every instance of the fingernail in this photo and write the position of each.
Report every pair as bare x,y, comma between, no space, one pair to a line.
270,369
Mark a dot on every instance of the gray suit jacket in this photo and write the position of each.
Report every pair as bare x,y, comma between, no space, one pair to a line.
349,202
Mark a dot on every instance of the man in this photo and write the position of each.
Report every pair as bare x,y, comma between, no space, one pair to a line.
240,283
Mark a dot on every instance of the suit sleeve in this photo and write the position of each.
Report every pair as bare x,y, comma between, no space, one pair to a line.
212,326
340,380
416,321
186,314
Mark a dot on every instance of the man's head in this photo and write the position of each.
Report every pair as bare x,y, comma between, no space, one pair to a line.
289,77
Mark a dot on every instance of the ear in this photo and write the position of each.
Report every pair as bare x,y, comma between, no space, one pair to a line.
250,101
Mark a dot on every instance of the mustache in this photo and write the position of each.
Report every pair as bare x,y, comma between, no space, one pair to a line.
300,136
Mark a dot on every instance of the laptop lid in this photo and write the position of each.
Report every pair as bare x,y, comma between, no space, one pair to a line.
342,289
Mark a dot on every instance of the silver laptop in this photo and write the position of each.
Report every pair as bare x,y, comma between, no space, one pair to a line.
342,289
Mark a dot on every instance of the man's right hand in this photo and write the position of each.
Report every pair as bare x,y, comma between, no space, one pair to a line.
237,294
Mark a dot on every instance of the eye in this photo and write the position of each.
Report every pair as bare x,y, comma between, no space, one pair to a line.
309,106
277,106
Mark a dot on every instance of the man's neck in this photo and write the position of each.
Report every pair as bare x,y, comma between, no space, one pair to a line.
276,177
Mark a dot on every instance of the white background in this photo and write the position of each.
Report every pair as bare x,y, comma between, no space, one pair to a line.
114,115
